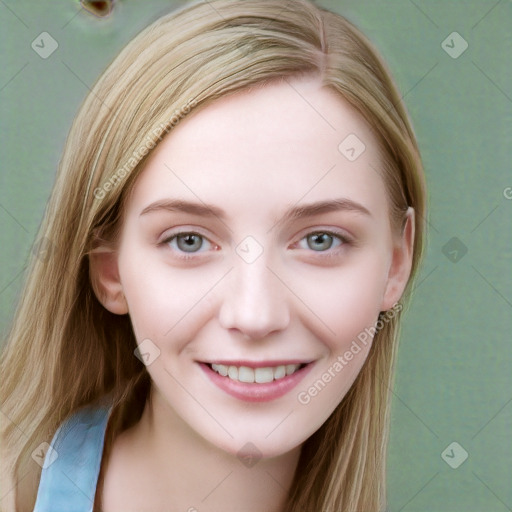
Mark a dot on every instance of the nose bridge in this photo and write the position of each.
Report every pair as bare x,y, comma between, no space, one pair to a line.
255,301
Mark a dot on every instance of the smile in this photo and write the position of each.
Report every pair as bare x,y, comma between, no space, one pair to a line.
255,375
256,381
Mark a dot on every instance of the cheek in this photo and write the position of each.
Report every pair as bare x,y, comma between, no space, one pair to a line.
348,304
343,301
161,298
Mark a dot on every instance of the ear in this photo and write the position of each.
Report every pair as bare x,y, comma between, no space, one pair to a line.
401,263
105,281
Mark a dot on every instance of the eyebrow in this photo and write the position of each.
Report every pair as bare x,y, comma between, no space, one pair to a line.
294,213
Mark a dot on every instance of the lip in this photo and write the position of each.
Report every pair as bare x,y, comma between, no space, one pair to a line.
256,364
255,392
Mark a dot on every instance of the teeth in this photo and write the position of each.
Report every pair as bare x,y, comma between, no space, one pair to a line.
258,375
280,372
233,372
262,375
290,368
245,374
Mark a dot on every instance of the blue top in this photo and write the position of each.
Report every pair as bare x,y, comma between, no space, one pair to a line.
72,463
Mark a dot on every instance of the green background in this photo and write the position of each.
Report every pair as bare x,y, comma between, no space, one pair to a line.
454,370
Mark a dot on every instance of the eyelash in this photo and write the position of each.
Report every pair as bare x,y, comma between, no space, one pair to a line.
329,253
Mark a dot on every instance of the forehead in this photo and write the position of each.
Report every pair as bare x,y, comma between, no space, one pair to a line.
274,146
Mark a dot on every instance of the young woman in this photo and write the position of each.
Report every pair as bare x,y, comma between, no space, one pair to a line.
236,222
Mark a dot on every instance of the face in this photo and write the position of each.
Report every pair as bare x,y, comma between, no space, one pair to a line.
255,256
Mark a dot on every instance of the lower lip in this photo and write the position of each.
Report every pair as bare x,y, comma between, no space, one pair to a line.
254,392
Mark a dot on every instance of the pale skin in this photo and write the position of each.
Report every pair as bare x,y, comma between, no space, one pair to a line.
255,155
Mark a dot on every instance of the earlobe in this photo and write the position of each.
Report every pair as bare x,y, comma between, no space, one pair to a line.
105,280
401,264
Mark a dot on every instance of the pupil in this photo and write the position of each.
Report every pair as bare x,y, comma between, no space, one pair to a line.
322,241
189,243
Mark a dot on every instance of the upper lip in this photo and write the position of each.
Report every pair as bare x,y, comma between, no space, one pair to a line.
256,364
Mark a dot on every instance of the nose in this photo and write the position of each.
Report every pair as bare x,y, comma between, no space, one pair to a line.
254,300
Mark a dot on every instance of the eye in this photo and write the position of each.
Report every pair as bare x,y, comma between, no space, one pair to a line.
322,241
188,242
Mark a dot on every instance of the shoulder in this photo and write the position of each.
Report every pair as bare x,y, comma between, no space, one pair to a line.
75,451
81,427
79,439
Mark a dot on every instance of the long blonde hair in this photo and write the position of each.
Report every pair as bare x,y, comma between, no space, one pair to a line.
66,350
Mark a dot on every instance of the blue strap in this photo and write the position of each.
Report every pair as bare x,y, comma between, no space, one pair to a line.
73,461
